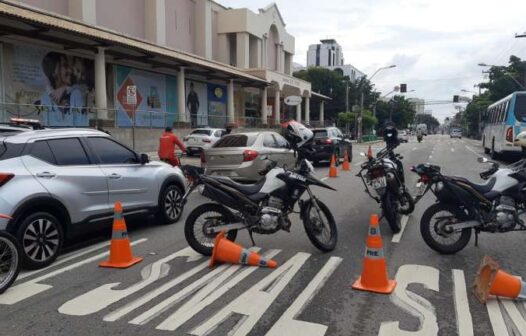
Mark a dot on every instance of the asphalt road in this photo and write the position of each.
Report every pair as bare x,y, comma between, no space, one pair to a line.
173,292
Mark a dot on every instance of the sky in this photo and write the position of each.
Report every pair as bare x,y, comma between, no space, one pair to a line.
436,45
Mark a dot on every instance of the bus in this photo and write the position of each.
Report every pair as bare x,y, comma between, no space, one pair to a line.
504,120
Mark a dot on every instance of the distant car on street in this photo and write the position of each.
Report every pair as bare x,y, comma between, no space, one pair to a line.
455,133
403,136
201,139
237,155
328,141
60,183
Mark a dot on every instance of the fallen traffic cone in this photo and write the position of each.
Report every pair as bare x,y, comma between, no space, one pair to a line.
5,216
333,172
227,251
120,250
491,280
374,273
346,165
370,153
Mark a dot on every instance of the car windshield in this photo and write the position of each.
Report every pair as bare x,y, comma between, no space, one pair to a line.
202,132
320,134
236,140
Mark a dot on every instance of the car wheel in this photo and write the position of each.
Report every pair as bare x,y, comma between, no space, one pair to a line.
170,207
41,237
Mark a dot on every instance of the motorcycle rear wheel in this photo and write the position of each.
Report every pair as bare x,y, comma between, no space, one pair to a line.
209,214
435,239
9,260
320,227
390,213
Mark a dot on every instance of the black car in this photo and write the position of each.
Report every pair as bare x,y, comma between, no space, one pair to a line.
328,141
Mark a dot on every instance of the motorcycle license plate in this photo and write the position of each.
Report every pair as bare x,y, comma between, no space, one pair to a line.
379,182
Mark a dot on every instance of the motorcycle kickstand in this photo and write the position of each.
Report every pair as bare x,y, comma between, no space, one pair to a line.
251,238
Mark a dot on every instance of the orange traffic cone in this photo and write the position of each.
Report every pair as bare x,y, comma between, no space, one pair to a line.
491,280
229,252
346,165
120,250
333,172
5,216
374,274
370,153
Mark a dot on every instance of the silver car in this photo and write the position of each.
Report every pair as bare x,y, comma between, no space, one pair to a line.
201,139
61,183
236,155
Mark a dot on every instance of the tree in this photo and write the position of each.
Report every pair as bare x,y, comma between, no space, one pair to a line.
346,119
402,112
430,121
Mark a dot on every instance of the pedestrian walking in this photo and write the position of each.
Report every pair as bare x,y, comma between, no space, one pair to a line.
167,143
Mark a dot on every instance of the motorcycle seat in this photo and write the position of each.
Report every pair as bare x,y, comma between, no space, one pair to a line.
481,188
247,189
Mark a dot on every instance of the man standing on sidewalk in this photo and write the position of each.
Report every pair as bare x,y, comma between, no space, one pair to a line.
167,143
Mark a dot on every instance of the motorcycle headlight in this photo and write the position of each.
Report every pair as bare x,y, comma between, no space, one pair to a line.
439,187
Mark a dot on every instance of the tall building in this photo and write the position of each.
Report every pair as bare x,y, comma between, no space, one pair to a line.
329,54
419,105
148,63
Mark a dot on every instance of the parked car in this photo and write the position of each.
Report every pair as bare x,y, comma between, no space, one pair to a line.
16,125
59,183
328,141
201,139
456,133
236,155
403,136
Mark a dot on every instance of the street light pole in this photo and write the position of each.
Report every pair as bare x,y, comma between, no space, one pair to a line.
506,73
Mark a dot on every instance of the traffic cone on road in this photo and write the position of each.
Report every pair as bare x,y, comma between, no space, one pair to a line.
346,165
374,273
370,153
491,280
120,250
333,171
226,251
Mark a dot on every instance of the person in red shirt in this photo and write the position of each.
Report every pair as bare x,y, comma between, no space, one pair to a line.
167,143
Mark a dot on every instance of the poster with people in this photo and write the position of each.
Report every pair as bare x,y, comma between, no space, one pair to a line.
56,88
156,103
217,100
196,103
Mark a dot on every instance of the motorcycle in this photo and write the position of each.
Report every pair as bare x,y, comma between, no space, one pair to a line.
9,260
385,174
263,207
419,138
463,206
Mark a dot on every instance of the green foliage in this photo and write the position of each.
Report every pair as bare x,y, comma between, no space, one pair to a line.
431,122
402,112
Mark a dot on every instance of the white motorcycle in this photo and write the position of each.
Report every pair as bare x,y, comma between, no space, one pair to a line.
463,206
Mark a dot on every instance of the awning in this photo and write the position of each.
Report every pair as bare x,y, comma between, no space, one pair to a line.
16,20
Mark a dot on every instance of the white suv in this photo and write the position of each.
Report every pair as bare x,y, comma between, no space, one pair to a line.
60,183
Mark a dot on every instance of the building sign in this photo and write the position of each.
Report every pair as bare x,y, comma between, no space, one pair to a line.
147,97
292,100
53,87
217,100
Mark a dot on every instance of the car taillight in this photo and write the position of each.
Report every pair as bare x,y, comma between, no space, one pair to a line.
249,155
206,140
185,138
509,134
5,177
328,141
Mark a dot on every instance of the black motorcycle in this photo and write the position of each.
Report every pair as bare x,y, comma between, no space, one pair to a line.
463,206
385,174
263,207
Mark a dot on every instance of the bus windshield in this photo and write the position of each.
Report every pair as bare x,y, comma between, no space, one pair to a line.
520,108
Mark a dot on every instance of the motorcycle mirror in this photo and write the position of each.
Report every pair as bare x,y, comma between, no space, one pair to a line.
362,154
482,159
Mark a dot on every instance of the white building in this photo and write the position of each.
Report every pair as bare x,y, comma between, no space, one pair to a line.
419,105
329,54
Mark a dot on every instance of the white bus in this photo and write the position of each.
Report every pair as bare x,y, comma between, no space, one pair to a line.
503,121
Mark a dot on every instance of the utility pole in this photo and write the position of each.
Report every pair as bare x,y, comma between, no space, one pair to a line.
520,35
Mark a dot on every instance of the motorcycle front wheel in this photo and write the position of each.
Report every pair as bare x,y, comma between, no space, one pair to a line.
389,208
407,203
320,226
202,218
9,260
435,233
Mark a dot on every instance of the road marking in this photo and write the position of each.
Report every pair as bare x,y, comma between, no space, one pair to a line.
464,320
499,323
430,157
287,323
103,296
64,259
414,149
413,303
254,302
32,287
210,293
472,151
398,236
453,150
323,179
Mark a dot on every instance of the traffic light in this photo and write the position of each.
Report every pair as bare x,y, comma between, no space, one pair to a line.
456,99
403,88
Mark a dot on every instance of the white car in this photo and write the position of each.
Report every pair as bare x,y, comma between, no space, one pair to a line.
403,136
202,138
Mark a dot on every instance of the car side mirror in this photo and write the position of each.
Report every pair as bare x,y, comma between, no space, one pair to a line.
144,159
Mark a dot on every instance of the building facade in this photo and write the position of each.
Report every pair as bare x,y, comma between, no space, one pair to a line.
147,63
329,54
418,104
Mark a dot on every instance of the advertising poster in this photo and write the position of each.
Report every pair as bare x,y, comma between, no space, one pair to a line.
217,100
155,98
55,88
196,103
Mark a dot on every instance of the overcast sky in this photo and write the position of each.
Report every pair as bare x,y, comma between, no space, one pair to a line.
436,45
